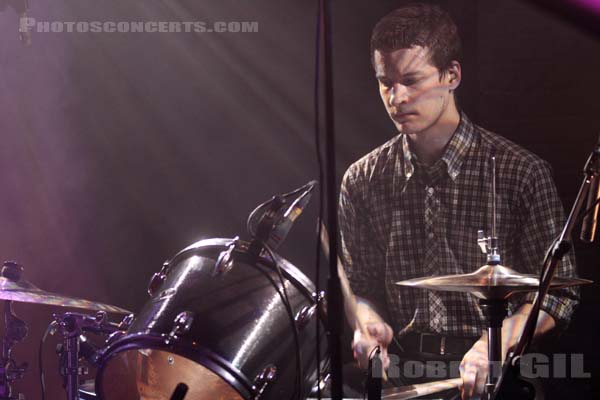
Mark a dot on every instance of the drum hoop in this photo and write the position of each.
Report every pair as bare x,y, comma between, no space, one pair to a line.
207,358
304,284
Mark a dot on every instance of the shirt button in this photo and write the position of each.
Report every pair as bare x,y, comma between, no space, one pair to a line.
430,190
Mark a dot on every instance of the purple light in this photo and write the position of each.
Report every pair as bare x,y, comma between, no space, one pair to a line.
590,5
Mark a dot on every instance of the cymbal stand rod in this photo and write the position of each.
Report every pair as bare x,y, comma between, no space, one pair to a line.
495,311
494,251
494,194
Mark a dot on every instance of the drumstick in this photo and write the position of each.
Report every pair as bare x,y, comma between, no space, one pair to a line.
350,304
422,389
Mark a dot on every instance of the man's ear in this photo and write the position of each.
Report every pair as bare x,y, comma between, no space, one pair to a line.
454,75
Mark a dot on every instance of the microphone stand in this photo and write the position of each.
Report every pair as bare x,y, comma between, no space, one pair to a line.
335,305
558,249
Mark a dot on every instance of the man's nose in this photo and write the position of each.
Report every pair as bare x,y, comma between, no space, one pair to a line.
398,95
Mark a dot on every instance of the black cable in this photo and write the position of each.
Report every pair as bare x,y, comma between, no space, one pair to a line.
285,299
49,329
321,197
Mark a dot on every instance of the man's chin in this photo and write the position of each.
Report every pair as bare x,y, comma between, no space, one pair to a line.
404,127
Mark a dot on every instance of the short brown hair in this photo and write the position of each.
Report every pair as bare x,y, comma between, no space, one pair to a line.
419,24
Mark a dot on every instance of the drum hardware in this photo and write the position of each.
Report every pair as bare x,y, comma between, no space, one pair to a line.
15,330
225,261
304,316
181,325
267,376
71,326
321,301
125,323
13,287
158,278
321,384
89,351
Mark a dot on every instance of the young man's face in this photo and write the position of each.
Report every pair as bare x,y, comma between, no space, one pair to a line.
414,95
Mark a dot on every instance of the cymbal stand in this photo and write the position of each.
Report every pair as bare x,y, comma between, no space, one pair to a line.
15,330
71,326
558,249
494,309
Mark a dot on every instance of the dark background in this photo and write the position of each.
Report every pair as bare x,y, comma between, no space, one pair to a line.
118,150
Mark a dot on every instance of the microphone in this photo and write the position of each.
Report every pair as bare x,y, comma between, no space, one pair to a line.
272,225
588,227
282,226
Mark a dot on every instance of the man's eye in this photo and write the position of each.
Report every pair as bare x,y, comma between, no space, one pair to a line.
409,82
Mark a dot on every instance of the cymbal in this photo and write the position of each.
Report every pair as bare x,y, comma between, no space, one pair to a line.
490,282
27,292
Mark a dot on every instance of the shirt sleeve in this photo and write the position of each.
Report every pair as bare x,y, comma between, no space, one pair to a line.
363,261
542,217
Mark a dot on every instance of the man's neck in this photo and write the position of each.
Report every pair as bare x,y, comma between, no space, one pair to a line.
429,145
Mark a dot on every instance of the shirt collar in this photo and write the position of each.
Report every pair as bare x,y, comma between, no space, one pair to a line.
454,154
459,146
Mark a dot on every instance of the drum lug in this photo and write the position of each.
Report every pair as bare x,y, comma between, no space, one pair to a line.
304,315
225,261
126,322
320,297
268,375
181,325
157,279
321,301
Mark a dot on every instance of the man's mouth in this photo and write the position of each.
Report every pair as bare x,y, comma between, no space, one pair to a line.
401,115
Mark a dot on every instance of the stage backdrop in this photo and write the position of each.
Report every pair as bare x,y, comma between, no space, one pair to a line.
119,149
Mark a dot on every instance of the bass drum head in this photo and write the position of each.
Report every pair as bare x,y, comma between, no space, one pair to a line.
158,374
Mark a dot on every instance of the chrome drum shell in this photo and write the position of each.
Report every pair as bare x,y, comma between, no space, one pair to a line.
216,328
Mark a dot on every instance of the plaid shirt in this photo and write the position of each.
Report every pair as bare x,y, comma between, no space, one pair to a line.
387,197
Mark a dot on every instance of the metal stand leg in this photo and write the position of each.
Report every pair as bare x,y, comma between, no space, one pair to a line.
494,311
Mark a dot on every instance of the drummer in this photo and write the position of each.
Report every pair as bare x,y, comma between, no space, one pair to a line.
412,207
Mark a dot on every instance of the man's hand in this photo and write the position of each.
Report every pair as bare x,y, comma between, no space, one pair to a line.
380,334
474,365
474,370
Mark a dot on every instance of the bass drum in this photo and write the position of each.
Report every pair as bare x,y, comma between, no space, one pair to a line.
216,328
